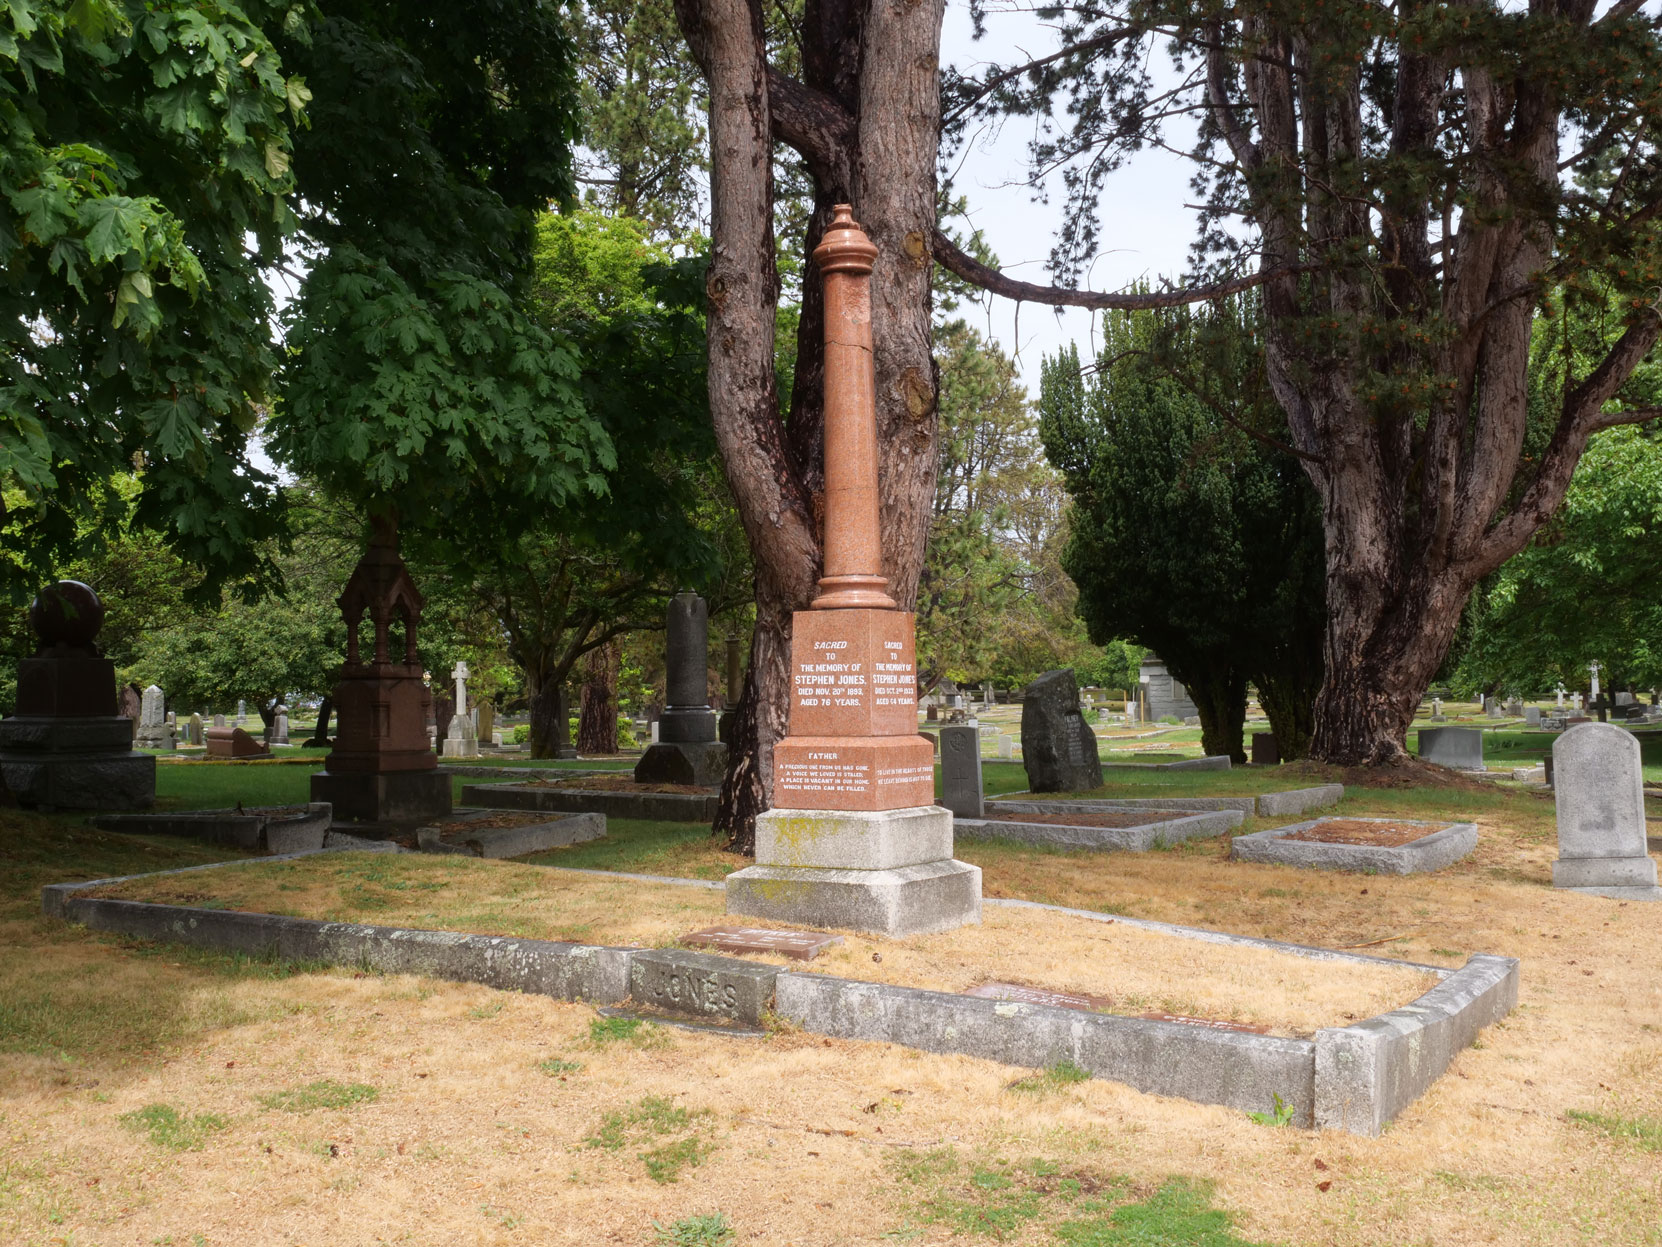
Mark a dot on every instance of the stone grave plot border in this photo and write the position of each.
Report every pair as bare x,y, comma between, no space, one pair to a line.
279,829
1442,845
666,807
1264,805
506,842
1355,1078
1164,828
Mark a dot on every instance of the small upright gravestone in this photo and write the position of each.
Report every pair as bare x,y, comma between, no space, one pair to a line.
961,771
1532,716
1266,750
153,731
1460,748
193,730
280,725
219,720
1059,749
1600,797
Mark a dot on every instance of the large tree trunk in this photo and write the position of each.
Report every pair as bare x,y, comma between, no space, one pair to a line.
320,735
597,712
1289,699
550,725
866,120
1220,701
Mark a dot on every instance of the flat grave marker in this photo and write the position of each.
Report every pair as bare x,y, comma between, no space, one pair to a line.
1023,994
797,945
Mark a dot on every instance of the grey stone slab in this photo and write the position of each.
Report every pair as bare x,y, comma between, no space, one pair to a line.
1298,800
1604,872
1460,748
674,807
1165,1058
908,900
961,771
854,839
392,796
1368,1073
543,967
123,781
503,842
1084,805
1211,762
1156,833
1443,845
701,984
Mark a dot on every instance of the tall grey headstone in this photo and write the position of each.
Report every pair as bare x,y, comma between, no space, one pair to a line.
460,740
1460,748
686,750
153,731
1058,748
242,712
219,720
280,725
1599,790
1532,716
194,730
961,771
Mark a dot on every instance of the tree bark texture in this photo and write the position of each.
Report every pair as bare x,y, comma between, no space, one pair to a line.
550,718
597,712
865,118
1219,694
320,736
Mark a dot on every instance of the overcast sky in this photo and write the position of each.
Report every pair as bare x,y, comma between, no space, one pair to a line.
1146,231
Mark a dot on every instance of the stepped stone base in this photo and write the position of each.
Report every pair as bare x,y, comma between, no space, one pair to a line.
384,796
683,762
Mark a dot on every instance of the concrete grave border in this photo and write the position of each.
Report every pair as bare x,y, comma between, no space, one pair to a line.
669,807
1355,1078
1440,848
1264,805
1157,833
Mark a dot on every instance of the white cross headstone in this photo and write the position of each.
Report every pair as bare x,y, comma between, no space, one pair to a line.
461,741
1593,691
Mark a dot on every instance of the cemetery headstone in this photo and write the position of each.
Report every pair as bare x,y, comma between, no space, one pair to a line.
686,749
153,731
486,721
194,729
280,725
219,720
932,714
1436,709
1163,695
855,840
234,742
1058,748
1006,746
1599,794
1266,750
1532,716
797,945
1460,748
242,712
460,741
66,746
1625,699
132,699
382,767
961,771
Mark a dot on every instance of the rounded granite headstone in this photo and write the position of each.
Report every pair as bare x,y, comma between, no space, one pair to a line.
67,613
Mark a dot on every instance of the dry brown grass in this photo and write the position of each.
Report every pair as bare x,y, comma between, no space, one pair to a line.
470,1143
1137,969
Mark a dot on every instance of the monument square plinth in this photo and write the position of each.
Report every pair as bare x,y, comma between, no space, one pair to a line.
855,839
67,747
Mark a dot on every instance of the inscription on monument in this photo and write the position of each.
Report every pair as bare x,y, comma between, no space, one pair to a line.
1023,994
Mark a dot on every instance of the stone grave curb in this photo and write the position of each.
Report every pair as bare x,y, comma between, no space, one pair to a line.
1369,1072
506,842
670,807
1139,839
1265,805
1431,852
476,771
1355,1078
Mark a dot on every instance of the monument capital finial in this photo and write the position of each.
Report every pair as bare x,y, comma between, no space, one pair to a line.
845,247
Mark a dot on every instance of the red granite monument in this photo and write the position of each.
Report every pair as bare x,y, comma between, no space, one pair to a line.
382,768
855,839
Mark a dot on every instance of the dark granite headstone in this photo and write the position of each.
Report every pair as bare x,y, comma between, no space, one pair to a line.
1059,750
1266,750
686,751
797,945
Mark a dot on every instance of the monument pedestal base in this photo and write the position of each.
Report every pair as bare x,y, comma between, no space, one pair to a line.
79,763
885,872
683,762
461,747
384,796
908,900
1627,878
